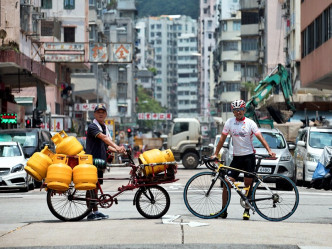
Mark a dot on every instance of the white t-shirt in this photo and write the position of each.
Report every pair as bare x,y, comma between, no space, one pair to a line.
242,133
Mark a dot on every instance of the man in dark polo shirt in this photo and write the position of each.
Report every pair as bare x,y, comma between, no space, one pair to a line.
98,140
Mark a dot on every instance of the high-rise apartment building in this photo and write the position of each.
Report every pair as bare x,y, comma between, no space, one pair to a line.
206,44
227,57
187,87
163,35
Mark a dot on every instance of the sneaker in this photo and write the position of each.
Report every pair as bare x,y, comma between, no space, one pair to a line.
223,215
93,216
102,216
246,215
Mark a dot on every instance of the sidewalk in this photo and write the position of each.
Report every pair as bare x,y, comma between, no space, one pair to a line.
143,233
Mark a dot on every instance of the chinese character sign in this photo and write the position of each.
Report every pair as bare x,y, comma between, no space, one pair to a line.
154,116
98,52
121,52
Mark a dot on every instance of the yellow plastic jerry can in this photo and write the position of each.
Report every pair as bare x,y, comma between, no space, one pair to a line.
38,163
85,174
154,156
67,145
59,174
168,155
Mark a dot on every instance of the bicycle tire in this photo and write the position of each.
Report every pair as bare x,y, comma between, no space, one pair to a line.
152,202
66,207
200,205
283,205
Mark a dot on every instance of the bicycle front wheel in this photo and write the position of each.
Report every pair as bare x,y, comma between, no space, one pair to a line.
71,205
152,202
203,195
273,203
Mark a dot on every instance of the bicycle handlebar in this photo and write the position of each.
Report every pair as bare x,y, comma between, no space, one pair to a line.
208,161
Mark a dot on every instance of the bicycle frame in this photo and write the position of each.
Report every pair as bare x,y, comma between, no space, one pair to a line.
206,199
106,200
237,189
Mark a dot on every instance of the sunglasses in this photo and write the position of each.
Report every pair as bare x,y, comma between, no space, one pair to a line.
238,109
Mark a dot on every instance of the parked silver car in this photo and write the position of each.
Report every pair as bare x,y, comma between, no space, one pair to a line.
283,165
309,147
12,163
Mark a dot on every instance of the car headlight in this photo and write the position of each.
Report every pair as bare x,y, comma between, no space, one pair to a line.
312,157
287,157
17,168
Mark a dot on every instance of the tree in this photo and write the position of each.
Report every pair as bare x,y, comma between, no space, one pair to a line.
147,104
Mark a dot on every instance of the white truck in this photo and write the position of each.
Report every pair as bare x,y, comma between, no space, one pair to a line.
185,141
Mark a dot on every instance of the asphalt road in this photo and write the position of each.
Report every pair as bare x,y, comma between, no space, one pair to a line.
26,222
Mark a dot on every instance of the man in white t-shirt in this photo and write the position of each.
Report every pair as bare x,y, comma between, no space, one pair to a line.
242,130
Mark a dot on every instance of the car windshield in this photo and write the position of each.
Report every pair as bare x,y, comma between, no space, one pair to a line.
9,151
26,139
218,138
274,140
318,139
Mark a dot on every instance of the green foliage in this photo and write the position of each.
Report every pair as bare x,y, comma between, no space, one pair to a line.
147,104
153,70
171,7
12,45
250,87
112,5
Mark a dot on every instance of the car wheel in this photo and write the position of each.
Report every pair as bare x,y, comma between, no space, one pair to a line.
190,160
304,183
294,179
26,187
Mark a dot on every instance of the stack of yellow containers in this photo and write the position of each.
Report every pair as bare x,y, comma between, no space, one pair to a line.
54,167
155,156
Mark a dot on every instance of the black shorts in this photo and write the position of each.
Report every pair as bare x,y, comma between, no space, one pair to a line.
247,163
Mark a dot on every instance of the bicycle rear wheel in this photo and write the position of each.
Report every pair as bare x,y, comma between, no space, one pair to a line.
71,205
152,202
274,204
201,204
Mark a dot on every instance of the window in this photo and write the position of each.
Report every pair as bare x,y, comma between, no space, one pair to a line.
249,17
318,32
224,66
122,77
92,32
249,71
180,127
224,25
92,2
46,4
122,91
69,4
236,25
249,44
237,67
69,34
230,45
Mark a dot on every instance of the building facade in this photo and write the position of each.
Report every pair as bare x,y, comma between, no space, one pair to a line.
316,34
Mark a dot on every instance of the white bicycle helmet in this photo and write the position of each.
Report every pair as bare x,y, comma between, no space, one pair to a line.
238,104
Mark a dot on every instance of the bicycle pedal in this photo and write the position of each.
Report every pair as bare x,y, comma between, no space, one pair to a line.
115,201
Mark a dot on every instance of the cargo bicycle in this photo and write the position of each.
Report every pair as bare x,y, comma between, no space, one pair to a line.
151,200
203,192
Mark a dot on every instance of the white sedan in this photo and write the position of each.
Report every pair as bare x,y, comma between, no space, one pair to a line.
12,163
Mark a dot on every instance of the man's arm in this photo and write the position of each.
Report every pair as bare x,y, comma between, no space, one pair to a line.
220,144
265,144
110,143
